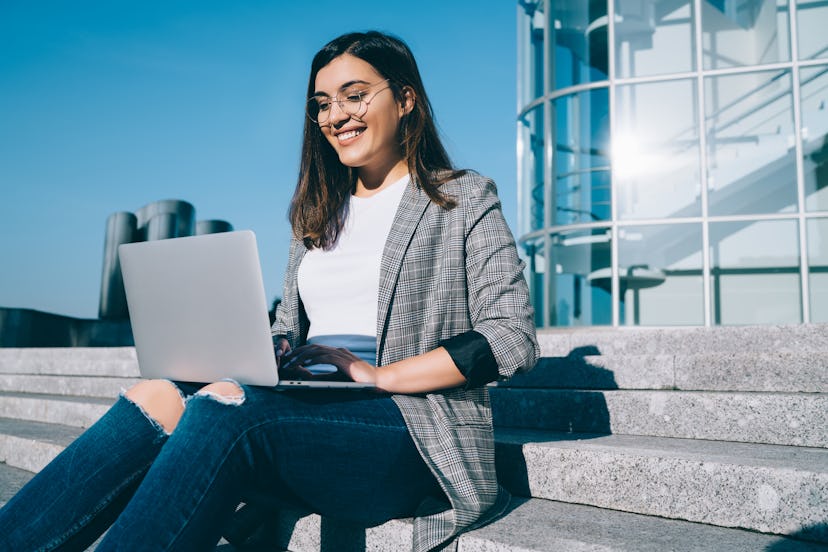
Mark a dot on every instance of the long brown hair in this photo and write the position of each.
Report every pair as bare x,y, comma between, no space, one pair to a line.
319,205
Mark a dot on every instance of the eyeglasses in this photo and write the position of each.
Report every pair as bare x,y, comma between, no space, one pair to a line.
351,101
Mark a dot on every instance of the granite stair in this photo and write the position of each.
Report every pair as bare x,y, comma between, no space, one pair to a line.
620,439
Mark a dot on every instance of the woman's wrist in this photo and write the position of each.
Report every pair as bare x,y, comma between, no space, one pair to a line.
384,377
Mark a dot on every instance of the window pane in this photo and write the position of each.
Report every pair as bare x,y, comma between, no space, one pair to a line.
814,92
747,32
531,164
655,150
654,37
581,164
532,52
755,272
660,274
579,32
818,267
536,266
578,295
751,161
811,16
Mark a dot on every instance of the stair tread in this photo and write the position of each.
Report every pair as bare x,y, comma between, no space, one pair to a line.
746,454
609,340
668,392
793,371
810,459
46,377
11,480
53,397
537,524
55,434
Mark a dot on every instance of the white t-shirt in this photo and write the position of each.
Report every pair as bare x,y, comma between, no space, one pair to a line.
339,287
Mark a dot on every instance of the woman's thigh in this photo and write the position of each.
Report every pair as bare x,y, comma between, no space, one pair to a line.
344,454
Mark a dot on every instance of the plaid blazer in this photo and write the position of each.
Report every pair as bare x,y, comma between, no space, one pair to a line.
445,272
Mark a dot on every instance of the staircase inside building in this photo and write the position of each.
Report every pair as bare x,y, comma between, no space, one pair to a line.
622,439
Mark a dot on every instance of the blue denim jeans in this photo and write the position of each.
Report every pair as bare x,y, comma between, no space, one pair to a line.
343,454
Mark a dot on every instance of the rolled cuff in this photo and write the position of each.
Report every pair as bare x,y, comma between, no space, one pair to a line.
473,356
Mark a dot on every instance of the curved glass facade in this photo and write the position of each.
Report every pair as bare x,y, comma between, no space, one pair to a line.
673,161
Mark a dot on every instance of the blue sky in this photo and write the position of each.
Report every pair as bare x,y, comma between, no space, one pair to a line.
106,106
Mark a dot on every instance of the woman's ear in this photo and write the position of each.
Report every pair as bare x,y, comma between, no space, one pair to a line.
409,98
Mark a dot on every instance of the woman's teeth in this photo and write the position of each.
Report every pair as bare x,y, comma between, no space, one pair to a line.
349,134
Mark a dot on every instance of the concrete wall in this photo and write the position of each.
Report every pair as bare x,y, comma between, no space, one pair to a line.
31,328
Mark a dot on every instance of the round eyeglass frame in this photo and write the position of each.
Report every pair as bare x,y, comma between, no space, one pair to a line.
345,105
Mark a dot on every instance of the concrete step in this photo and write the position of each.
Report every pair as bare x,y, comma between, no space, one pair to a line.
767,488
30,445
761,372
536,525
543,525
529,525
80,361
683,340
79,386
789,372
750,358
56,409
11,480
799,419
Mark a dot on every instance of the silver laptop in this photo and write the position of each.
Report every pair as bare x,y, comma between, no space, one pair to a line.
199,313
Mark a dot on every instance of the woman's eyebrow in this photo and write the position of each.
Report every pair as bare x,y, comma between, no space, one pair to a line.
343,87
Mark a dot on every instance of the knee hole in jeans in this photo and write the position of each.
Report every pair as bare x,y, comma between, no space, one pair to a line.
159,400
225,392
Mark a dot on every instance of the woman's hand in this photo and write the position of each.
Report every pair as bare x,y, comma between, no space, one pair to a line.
281,347
419,374
346,362
288,370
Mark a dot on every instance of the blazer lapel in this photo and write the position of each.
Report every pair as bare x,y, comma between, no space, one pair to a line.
409,213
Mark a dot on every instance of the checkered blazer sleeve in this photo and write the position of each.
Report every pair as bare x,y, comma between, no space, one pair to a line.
498,297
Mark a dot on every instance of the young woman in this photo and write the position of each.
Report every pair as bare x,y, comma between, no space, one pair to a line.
402,272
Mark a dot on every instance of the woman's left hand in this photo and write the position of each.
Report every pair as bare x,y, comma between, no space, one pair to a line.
344,360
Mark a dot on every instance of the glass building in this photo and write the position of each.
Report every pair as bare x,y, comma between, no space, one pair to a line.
673,161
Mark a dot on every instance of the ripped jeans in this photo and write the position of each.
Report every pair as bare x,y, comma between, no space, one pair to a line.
344,454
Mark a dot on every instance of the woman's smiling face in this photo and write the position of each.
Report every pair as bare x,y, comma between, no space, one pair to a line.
367,139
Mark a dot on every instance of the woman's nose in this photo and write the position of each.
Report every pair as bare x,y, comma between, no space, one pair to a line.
338,114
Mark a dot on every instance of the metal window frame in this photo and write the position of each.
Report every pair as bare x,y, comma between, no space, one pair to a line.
699,75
